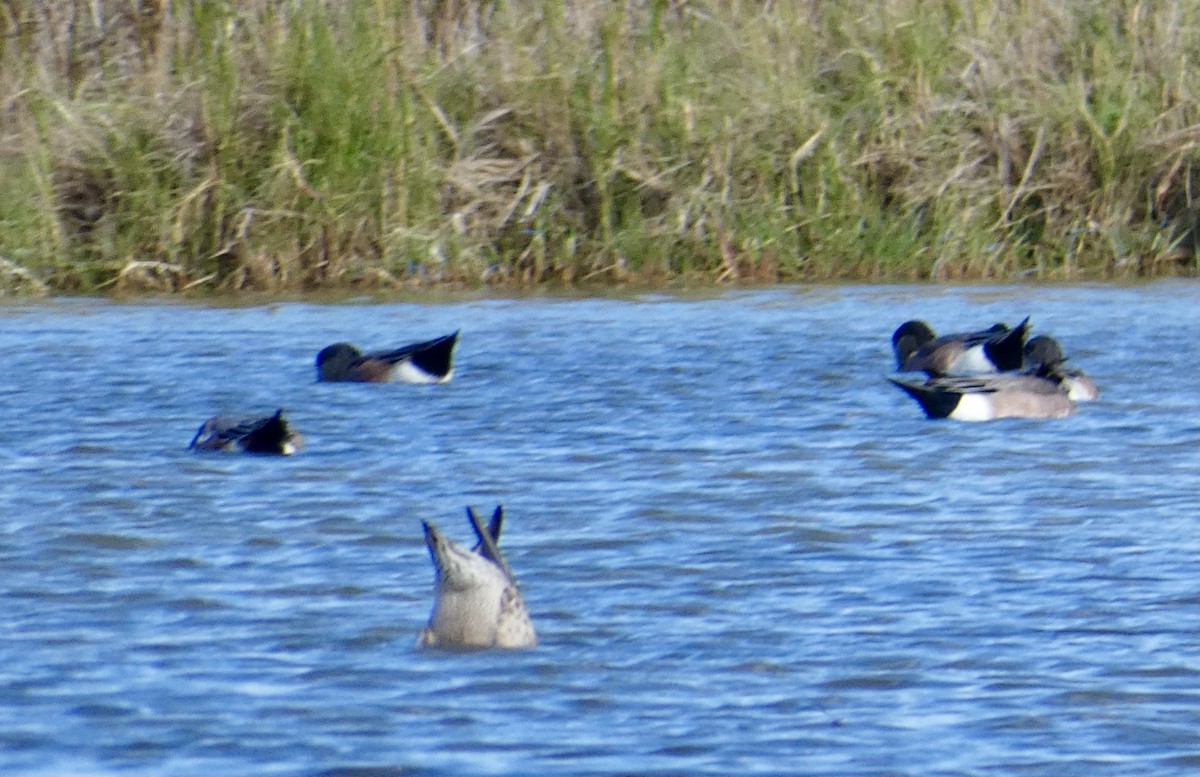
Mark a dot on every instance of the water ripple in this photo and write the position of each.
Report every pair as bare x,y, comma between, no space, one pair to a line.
744,552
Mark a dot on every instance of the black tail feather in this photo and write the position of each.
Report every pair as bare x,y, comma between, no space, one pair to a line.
488,537
269,436
435,357
1008,352
936,403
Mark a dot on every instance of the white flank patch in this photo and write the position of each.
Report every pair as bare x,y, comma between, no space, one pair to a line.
1081,390
407,372
973,407
973,362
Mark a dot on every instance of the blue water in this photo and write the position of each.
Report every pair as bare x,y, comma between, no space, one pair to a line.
744,551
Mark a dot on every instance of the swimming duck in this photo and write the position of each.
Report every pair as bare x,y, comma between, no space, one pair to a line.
1045,350
426,362
995,349
476,601
250,434
1040,393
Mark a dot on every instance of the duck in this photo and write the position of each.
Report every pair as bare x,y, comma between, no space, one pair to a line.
476,601
995,349
248,434
1037,393
425,362
1044,349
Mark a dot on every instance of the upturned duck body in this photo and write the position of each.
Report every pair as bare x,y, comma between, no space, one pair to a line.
476,601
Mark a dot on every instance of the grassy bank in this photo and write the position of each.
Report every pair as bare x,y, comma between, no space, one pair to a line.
278,145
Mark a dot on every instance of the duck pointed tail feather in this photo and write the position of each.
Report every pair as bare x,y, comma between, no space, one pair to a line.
269,436
488,547
435,357
1008,352
495,524
493,529
936,403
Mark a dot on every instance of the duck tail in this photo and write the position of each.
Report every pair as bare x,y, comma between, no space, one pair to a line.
937,403
269,436
494,525
488,536
435,357
1008,352
493,529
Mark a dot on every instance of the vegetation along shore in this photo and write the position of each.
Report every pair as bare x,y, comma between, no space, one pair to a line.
214,146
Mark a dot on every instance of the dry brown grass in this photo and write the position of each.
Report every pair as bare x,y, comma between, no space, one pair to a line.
380,144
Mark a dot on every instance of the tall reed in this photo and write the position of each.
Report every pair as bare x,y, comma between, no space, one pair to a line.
301,144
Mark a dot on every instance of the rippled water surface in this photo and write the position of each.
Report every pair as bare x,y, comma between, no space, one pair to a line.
743,550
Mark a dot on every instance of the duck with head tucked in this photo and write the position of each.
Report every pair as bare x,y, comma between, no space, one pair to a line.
1044,349
995,349
248,434
476,601
430,361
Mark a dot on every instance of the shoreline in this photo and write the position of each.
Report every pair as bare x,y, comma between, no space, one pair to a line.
449,295
266,146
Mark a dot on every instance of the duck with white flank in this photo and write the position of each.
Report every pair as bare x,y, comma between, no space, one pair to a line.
476,601
425,362
989,397
248,434
995,349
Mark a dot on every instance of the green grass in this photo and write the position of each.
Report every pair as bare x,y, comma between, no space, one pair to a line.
217,146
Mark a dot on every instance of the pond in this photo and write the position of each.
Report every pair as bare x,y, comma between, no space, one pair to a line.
743,550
